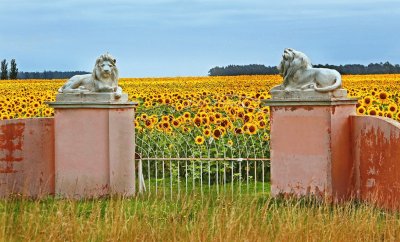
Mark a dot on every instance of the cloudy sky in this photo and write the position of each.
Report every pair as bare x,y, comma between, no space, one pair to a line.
188,37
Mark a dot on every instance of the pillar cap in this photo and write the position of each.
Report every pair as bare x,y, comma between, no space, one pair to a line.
310,102
91,100
91,104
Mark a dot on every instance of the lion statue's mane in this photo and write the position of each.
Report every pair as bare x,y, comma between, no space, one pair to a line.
298,74
104,78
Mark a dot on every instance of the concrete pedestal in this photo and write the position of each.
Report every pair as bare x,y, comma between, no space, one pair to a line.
311,147
94,148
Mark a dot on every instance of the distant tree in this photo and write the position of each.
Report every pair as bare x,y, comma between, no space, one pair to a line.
13,70
49,74
235,70
4,70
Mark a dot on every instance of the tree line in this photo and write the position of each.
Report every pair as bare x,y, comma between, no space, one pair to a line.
236,70
13,73
50,74
256,69
230,70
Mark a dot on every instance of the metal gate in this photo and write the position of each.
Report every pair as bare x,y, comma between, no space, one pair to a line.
202,150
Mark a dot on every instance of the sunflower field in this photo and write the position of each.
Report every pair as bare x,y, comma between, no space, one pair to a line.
201,116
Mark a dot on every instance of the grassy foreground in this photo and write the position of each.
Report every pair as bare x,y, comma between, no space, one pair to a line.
192,218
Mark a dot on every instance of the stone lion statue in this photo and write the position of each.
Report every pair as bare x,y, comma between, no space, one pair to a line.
103,79
298,74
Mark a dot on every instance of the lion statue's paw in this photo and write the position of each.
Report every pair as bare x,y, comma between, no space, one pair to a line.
308,86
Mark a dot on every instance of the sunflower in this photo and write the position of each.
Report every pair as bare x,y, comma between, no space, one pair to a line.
224,122
165,125
246,103
185,103
139,129
143,116
149,124
361,110
154,119
266,137
245,127
185,129
47,112
223,130
260,116
262,124
204,121
179,107
388,115
165,118
217,133
35,104
383,96
240,113
211,118
202,114
199,140
207,132
230,142
218,116
251,110
252,129
248,117
367,101
187,115
232,111
392,108
197,121
372,111
238,131
176,123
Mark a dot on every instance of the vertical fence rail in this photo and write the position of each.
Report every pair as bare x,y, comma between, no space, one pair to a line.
232,178
240,176
156,178
217,172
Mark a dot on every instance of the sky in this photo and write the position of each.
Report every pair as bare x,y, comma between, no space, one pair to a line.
157,38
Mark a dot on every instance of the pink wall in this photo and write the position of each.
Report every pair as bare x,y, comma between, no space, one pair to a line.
376,155
27,156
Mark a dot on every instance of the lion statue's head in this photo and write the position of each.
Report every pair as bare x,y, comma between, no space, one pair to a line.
105,69
292,61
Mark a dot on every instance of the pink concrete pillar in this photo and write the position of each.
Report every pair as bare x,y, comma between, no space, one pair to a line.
311,147
94,149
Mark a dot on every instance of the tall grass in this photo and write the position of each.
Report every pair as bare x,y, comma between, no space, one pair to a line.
192,218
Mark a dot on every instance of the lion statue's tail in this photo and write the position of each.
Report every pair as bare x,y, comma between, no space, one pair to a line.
334,86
